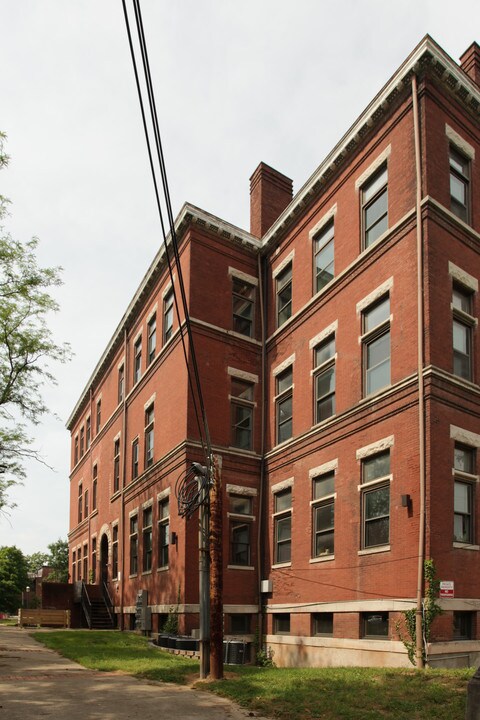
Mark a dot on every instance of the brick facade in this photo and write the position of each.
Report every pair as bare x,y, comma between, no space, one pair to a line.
306,335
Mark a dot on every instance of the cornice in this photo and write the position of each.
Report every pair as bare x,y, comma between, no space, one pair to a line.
427,55
189,215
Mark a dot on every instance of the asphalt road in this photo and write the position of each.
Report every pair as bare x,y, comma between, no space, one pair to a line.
35,682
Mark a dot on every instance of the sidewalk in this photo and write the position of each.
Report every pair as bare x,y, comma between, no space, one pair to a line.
36,682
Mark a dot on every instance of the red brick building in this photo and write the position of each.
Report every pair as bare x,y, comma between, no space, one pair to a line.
338,351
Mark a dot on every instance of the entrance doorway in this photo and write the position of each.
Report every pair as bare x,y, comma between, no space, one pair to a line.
104,559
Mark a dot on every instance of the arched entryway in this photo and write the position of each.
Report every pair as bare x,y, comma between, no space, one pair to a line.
104,559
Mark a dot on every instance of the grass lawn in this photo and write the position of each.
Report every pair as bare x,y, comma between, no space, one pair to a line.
287,694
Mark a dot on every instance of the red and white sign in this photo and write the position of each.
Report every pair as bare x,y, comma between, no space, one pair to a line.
447,589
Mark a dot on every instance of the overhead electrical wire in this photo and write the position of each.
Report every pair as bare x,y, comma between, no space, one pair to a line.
194,383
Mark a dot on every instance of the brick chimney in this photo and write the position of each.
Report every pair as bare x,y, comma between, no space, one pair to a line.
270,193
470,62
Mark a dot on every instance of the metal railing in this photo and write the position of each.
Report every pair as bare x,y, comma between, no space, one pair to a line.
108,602
86,604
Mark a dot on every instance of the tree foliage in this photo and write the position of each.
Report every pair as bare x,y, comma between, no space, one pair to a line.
13,578
58,560
26,346
36,561
430,610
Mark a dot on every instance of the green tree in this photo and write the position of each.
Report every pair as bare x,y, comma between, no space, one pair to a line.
26,346
58,560
36,561
13,578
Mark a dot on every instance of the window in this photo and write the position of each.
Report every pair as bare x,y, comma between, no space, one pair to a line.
135,458
88,433
323,256
85,504
375,625
121,384
75,454
464,483
376,500
116,465
152,338
284,400
283,525
376,346
281,624
94,560
284,295
80,503
94,487
240,624
242,413
99,415
82,441
463,324
134,545
375,207
463,625
74,566
137,361
79,563
85,563
114,552
322,623
459,185
168,316
323,510
324,379
147,539
240,529
149,423
163,532
243,307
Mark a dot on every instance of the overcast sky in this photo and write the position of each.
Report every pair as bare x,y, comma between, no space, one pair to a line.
236,82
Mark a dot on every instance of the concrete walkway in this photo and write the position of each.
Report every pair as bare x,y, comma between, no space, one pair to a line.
35,682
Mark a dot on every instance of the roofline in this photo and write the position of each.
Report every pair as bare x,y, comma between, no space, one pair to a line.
188,214
426,47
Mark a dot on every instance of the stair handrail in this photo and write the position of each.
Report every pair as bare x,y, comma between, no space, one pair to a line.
86,604
108,601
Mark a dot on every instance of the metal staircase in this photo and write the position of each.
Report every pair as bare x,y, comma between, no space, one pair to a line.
97,607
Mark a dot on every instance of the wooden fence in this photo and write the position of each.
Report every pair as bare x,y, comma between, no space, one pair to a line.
44,617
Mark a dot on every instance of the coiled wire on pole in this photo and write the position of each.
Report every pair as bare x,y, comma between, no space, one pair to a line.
192,490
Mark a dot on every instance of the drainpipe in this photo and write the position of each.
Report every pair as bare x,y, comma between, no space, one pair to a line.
260,545
421,398
121,518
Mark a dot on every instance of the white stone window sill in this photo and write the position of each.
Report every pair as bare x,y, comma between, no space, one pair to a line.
322,558
466,546
281,565
240,567
372,551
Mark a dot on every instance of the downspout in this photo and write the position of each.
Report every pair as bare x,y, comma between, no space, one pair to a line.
260,544
421,398
124,446
90,501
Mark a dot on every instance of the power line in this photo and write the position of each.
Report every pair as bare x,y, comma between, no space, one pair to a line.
194,383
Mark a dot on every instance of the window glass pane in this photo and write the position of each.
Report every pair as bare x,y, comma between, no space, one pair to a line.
376,210
464,459
242,389
240,549
240,504
460,337
284,528
377,503
377,314
376,466
325,351
284,381
326,382
285,419
281,623
462,498
461,300
324,263
324,236
323,624
378,363
375,624
323,485
374,185
283,500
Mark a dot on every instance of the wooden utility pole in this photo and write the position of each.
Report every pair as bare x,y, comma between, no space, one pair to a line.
204,581
216,571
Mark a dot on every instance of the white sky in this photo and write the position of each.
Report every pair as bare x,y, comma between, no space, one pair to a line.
236,82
